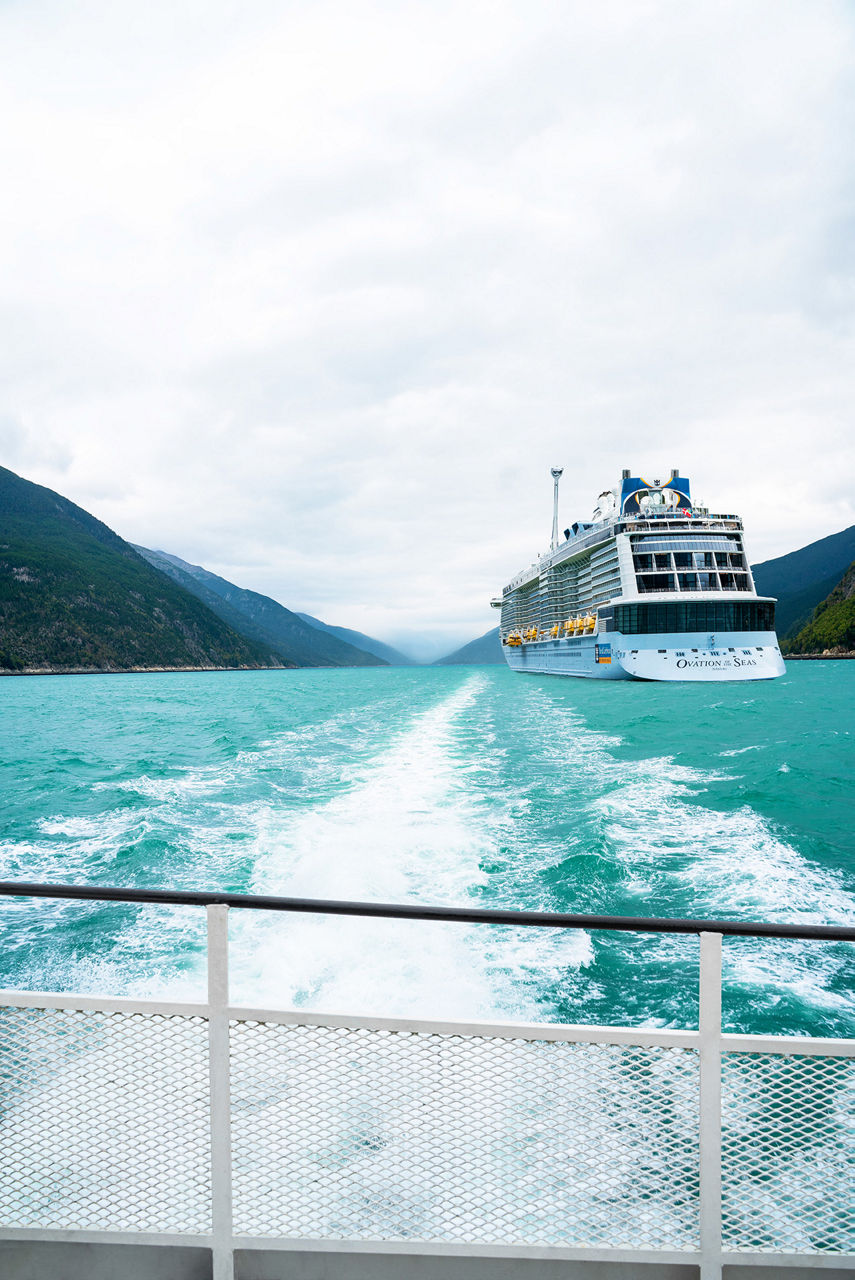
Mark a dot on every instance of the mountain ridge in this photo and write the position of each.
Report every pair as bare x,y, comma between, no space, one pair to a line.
393,656
483,650
261,618
75,596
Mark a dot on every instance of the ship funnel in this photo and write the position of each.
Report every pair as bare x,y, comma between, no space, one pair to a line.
557,473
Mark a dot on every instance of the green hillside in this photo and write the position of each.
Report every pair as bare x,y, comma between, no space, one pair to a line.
832,626
801,579
262,619
75,596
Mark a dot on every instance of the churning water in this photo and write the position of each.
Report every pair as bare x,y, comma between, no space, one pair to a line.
455,785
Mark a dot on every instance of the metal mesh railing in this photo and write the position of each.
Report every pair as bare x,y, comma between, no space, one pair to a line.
788,1153
246,1127
104,1121
353,1133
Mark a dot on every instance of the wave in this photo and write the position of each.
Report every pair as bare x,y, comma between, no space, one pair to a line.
409,828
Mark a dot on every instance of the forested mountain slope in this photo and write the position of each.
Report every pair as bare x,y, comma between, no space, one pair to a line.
76,596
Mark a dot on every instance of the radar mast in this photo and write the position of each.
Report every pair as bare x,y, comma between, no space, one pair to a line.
557,473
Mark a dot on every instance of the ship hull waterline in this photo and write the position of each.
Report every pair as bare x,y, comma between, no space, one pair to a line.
691,658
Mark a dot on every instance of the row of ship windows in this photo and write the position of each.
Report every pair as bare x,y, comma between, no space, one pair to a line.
692,582
689,560
686,544
701,615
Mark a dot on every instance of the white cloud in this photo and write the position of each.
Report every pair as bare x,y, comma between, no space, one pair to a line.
315,294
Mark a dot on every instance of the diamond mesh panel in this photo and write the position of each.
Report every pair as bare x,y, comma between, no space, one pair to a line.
378,1135
788,1153
103,1121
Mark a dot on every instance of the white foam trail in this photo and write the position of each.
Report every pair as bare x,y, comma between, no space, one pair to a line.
645,818
725,864
409,828
731,858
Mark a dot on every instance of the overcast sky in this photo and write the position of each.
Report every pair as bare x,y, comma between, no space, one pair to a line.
314,294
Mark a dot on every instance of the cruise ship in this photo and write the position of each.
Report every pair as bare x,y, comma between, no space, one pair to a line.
651,588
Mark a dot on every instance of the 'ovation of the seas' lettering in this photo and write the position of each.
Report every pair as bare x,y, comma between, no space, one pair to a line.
716,662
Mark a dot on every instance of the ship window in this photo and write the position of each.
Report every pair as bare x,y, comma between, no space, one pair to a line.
682,559
688,581
655,582
693,542
703,615
663,562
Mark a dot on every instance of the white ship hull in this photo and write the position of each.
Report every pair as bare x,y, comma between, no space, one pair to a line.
746,656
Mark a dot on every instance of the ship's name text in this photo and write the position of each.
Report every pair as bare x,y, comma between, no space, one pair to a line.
715,662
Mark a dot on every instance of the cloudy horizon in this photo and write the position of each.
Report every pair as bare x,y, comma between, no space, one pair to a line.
315,294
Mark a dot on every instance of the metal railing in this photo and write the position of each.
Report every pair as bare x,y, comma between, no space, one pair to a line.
241,1128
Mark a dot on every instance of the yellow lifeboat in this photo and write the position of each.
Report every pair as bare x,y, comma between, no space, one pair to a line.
577,625
514,640
555,632
568,626
590,623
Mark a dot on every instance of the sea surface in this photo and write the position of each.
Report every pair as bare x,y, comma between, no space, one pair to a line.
454,785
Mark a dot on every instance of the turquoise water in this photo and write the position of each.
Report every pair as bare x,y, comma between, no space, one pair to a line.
447,785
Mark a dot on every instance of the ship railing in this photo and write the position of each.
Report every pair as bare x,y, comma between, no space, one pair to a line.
634,524
210,1138
644,590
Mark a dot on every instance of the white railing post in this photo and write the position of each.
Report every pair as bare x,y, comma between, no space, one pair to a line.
220,1083
709,1026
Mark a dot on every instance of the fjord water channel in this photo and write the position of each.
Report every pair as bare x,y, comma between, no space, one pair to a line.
450,785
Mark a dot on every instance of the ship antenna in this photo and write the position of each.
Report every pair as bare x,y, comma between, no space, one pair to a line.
557,473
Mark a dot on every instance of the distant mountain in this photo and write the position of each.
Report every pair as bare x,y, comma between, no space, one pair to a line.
832,626
75,596
486,649
380,650
804,578
262,619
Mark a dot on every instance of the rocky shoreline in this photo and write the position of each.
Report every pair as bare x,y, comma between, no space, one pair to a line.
828,656
128,671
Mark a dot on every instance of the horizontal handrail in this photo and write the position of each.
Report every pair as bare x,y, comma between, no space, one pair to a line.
402,911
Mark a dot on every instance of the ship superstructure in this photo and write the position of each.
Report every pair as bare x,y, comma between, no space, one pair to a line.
652,588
